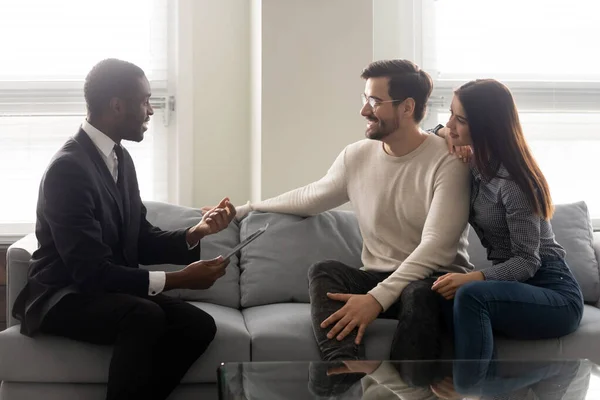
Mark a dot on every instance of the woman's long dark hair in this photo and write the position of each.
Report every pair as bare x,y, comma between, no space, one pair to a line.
498,139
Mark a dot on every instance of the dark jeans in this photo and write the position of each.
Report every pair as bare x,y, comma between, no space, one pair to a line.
156,339
549,305
417,336
517,379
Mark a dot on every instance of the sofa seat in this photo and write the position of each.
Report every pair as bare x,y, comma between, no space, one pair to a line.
584,343
59,360
282,332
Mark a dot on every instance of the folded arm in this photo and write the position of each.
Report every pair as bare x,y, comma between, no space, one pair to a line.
320,196
446,221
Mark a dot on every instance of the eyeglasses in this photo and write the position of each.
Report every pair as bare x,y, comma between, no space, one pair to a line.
374,102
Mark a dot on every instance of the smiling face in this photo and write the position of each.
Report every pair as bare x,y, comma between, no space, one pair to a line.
460,134
380,111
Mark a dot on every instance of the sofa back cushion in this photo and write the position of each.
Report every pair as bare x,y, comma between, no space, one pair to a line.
274,268
226,290
572,227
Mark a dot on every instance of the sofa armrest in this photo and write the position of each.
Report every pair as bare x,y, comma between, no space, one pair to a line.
17,266
596,245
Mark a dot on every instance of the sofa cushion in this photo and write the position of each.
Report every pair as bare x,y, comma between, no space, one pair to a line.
275,266
55,359
17,266
226,290
283,332
583,343
572,227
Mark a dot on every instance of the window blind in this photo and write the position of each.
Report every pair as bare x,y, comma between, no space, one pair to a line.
545,52
48,50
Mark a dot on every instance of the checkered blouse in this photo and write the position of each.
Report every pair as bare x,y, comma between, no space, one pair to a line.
515,238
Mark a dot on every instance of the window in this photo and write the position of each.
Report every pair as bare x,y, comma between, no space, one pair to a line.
52,47
544,51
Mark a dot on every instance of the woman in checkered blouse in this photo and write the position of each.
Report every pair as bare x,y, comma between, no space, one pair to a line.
529,292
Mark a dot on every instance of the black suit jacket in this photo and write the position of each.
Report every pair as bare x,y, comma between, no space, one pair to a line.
91,237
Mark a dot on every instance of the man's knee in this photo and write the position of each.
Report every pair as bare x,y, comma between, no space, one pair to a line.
144,316
324,269
418,297
200,329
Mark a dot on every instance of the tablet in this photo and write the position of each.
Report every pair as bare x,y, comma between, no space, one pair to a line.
246,242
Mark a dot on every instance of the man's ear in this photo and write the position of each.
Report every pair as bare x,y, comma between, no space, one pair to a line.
408,107
117,107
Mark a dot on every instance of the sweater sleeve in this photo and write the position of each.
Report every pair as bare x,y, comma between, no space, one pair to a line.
446,220
325,194
386,382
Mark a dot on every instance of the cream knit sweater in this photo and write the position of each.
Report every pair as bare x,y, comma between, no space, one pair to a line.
412,210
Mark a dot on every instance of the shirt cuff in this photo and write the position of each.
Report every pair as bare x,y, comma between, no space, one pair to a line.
157,281
242,211
192,246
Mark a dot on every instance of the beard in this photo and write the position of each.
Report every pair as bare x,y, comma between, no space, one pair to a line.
380,129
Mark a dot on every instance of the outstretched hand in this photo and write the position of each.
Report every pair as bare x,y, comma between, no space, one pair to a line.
216,219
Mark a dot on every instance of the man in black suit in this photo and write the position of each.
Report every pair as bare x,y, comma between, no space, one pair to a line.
84,282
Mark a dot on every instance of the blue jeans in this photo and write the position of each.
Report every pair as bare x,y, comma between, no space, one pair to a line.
549,305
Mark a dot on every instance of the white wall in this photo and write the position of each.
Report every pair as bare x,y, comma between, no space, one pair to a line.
312,54
277,92
221,83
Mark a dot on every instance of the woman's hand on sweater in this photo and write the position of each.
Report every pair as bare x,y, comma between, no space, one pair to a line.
445,390
358,312
465,153
355,367
447,285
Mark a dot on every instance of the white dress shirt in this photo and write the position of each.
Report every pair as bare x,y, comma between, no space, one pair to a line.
106,148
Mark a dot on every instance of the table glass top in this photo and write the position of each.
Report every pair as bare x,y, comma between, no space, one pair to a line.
407,380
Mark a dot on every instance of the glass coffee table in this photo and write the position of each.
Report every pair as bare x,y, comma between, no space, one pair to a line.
553,379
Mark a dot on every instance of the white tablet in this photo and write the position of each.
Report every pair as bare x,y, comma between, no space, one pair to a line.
246,242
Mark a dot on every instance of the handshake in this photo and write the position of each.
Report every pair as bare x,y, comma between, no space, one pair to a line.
204,273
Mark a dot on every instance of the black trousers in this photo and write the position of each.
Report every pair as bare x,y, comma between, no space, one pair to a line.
417,337
418,311
156,339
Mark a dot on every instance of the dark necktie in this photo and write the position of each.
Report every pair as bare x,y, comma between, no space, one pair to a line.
120,169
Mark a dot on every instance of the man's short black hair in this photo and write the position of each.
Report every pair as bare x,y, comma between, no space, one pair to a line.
406,80
107,79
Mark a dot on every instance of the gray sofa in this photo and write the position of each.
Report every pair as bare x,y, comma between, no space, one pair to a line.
261,304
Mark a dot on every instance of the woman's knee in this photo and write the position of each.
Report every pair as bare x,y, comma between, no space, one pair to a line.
470,292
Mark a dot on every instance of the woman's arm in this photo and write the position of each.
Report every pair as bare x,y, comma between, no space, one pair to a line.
524,229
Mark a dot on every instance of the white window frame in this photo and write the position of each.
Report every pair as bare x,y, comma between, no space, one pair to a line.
174,97
400,31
